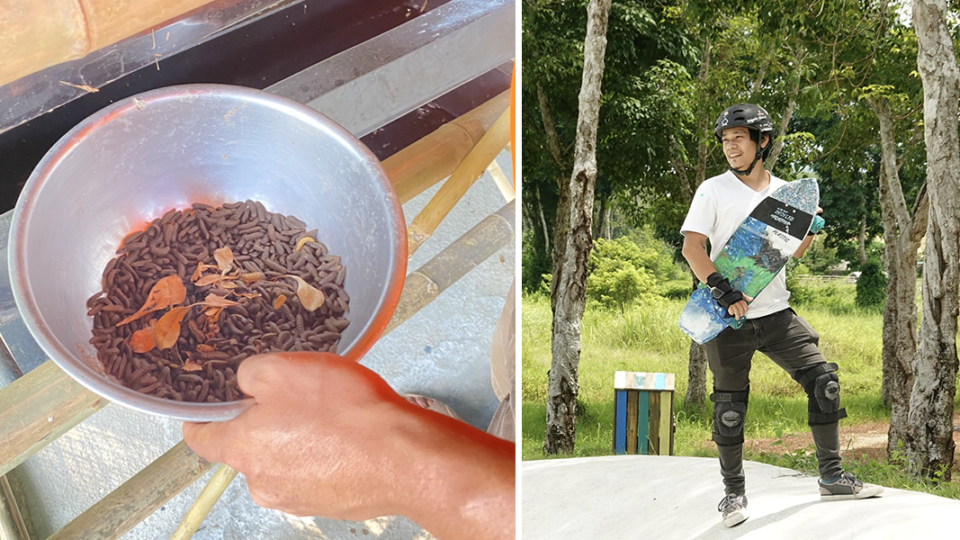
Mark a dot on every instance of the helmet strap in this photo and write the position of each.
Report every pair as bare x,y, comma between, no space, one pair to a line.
748,170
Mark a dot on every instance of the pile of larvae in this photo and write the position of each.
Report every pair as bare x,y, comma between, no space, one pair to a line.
267,249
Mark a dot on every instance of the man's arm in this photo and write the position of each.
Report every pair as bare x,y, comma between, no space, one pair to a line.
803,247
695,252
806,241
328,437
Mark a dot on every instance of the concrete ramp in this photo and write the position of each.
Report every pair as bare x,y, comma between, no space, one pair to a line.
661,498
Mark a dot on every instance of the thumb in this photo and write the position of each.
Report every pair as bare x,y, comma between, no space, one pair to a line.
207,440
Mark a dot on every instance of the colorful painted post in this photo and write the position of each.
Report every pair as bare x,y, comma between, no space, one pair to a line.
643,413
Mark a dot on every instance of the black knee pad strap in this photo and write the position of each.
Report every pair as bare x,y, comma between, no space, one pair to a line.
729,413
823,393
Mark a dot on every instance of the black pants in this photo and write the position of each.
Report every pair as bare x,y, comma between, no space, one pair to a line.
791,343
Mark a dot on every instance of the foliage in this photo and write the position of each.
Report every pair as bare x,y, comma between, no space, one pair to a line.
620,272
820,257
534,263
872,286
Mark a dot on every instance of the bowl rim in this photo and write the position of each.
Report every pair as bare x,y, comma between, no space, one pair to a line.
78,368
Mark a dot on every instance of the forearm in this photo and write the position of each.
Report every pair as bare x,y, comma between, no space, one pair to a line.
461,481
699,261
803,247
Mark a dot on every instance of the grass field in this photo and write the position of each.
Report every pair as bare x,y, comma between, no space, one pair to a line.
646,338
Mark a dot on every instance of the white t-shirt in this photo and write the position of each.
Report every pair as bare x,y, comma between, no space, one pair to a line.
718,208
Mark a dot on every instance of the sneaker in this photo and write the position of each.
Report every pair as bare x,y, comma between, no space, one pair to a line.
846,487
734,508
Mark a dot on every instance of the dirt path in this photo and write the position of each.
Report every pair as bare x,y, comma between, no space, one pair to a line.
868,439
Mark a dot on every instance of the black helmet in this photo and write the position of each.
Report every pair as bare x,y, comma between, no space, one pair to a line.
752,117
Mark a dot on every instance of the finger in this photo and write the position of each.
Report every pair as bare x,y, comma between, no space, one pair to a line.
207,440
258,373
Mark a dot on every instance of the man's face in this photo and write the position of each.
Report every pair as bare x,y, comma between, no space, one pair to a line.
738,147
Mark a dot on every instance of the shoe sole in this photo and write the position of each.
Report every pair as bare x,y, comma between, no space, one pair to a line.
865,493
736,518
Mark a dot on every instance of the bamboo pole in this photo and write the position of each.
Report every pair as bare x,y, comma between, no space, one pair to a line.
432,158
37,408
459,182
427,282
112,516
506,188
12,526
201,507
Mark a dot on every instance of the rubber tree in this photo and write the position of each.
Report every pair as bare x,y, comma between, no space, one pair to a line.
930,443
570,279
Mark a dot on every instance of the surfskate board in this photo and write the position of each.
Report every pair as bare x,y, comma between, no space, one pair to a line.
753,256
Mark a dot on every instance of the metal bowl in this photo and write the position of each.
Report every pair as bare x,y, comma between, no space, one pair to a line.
131,162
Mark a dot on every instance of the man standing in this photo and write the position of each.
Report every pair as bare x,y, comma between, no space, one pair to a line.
771,327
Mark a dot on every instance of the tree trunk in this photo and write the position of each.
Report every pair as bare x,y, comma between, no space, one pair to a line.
601,217
570,291
696,397
561,229
769,163
930,443
608,233
902,239
543,223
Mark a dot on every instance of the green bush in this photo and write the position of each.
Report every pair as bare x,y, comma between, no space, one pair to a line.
799,293
618,274
677,289
871,286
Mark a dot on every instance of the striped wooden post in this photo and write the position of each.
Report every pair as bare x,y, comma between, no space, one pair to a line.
643,413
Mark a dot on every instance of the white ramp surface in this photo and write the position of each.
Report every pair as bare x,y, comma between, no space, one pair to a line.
668,497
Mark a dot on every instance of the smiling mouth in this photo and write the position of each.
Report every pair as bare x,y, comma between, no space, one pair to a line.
734,155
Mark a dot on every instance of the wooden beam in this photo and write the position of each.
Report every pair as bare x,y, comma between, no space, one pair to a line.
37,408
112,516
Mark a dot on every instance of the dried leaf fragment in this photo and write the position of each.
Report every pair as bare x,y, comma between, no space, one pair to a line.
309,296
169,291
203,347
278,301
142,341
249,295
201,267
168,327
190,365
208,280
224,259
213,300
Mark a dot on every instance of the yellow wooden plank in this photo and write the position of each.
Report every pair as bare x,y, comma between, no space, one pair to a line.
666,421
654,423
632,396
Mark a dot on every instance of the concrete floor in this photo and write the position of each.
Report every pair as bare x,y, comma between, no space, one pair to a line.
442,352
676,498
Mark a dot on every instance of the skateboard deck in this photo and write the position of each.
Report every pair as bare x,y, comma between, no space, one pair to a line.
753,256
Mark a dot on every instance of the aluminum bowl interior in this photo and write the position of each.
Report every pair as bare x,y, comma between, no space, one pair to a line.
169,148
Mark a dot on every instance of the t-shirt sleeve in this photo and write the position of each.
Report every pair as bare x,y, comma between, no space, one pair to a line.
702,216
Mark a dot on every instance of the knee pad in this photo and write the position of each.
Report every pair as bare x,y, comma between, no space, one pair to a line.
823,393
729,413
